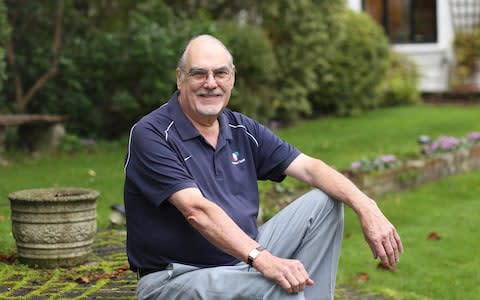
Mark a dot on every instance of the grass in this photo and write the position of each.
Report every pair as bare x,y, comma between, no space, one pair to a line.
447,268
443,269
63,170
342,140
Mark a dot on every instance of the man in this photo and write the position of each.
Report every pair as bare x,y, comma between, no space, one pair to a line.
191,199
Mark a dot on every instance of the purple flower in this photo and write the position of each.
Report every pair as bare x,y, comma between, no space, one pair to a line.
355,165
473,136
445,143
388,158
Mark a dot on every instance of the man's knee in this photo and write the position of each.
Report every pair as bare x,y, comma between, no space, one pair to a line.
317,199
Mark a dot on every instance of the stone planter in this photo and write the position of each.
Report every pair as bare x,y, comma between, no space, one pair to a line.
54,227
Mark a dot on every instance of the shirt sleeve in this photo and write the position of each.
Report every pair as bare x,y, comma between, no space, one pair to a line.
152,166
273,154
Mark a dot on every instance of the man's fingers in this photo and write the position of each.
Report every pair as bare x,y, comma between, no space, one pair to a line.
294,283
396,253
399,241
387,245
388,248
290,274
283,282
310,282
295,278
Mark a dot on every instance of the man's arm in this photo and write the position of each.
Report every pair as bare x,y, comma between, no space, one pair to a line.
213,223
380,234
218,228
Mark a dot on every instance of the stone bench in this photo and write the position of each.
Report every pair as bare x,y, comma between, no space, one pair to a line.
40,133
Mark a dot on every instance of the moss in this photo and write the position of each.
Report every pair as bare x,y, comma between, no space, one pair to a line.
407,177
18,281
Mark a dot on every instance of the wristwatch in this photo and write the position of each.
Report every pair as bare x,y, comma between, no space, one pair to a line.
253,254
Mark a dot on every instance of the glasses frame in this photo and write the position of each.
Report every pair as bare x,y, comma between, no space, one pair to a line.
200,75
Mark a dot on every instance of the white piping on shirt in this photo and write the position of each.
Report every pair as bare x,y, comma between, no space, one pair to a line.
129,143
166,130
246,131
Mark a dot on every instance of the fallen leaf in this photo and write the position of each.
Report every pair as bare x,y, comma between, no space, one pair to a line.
103,275
83,279
8,258
383,266
2,218
433,236
124,267
362,277
348,235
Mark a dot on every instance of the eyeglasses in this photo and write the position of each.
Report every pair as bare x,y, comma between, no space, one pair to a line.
199,75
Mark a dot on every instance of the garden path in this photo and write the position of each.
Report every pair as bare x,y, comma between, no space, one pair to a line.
106,276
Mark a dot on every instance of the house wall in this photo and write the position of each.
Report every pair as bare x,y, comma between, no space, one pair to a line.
434,60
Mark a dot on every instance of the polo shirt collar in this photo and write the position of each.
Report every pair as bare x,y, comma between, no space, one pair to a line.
186,129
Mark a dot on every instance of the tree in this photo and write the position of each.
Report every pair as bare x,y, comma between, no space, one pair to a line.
226,10
18,14
4,36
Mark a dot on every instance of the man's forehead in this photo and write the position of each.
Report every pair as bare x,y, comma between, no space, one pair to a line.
207,53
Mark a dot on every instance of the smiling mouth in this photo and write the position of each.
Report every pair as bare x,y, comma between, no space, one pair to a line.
206,95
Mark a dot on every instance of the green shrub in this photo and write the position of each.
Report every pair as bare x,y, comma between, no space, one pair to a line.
70,144
301,33
256,68
351,80
110,80
400,84
467,54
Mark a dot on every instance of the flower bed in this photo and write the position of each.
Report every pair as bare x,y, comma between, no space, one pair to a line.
443,157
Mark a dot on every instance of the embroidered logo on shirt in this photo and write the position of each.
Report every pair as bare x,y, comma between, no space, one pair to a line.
236,158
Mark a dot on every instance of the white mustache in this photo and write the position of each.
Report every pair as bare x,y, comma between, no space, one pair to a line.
215,92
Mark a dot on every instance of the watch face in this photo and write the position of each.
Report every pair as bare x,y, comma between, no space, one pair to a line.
254,253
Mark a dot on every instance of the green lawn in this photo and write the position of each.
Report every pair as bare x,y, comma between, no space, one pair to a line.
442,269
63,170
447,268
342,140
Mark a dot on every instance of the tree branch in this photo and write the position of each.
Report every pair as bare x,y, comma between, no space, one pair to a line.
50,73
10,53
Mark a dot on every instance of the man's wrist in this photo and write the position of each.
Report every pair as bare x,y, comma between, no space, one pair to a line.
252,255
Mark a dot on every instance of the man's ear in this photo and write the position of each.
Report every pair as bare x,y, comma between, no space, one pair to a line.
179,77
234,74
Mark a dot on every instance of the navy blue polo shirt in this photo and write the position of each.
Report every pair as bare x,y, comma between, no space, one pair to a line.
166,154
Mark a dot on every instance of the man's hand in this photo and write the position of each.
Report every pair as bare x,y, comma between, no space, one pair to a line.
290,274
382,237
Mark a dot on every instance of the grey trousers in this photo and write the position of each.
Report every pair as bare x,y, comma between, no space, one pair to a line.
310,229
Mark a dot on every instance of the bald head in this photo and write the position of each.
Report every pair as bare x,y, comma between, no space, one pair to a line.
205,79
204,41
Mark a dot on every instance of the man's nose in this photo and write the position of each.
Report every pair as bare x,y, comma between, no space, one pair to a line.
210,82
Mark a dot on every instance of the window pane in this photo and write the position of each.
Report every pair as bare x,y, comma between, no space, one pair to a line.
399,25
425,21
405,21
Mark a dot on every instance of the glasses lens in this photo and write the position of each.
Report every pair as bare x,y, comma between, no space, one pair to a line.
222,75
201,75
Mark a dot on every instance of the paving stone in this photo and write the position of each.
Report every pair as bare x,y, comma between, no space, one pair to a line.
22,291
